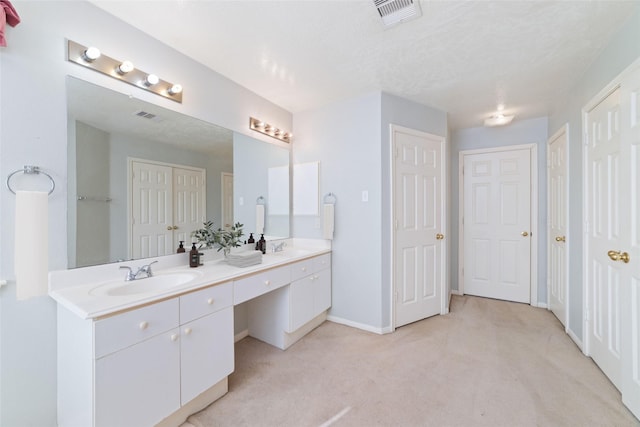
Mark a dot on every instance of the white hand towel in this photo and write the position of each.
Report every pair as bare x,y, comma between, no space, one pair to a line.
328,221
31,255
259,219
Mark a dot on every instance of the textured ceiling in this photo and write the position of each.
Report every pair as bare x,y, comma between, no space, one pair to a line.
114,112
462,57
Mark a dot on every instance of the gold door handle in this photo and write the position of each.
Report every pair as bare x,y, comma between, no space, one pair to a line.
525,233
439,236
561,239
169,227
619,256
175,227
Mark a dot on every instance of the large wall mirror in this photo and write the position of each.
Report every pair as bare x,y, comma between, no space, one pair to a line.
141,178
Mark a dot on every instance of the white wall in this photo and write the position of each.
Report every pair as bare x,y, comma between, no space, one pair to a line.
351,140
33,130
623,49
533,131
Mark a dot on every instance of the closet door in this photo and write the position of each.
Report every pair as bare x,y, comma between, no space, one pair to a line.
152,210
189,202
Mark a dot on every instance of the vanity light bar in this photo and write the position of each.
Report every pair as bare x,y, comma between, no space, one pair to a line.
270,130
91,57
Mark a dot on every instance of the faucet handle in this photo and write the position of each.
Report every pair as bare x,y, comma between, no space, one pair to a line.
130,275
147,268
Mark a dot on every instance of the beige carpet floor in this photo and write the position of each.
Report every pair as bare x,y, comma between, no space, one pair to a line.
487,363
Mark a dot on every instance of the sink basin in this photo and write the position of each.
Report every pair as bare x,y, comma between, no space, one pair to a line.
159,282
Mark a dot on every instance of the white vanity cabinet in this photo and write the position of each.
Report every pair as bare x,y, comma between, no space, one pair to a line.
138,367
285,315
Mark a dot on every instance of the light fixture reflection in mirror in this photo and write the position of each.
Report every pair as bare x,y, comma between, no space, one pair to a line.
105,128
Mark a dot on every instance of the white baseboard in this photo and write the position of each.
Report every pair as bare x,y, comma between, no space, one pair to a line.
575,339
240,335
543,305
357,325
455,292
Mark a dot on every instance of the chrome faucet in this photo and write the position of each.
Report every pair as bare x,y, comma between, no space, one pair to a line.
146,269
278,247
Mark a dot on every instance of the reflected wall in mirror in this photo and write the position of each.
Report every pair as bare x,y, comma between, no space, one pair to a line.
110,135
262,172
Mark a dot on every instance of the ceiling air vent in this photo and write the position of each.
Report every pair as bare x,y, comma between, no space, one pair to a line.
394,12
145,115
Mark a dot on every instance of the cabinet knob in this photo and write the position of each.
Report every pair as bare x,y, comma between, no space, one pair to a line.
304,268
210,301
187,331
312,278
267,282
144,325
174,337
316,277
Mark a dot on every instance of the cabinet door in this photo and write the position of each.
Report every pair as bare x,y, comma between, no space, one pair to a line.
301,303
207,352
139,385
322,291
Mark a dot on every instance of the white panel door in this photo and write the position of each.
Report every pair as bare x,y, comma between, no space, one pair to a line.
557,214
152,210
419,248
630,292
497,224
188,202
604,232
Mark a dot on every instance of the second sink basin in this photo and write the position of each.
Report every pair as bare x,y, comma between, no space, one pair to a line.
159,282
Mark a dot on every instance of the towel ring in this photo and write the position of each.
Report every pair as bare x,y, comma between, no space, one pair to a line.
261,201
327,199
30,170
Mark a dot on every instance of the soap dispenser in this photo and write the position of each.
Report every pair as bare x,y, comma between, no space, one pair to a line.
181,247
262,244
251,239
194,256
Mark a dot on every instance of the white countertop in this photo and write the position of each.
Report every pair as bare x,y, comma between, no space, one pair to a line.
72,288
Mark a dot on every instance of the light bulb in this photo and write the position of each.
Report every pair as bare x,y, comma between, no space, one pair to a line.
175,89
125,67
91,54
151,80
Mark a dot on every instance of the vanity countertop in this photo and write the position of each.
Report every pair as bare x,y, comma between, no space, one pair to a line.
79,297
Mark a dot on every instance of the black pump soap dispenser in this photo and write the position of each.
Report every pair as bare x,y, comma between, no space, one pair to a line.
181,247
194,256
262,244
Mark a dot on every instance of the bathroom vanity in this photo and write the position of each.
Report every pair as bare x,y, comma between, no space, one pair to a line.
143,357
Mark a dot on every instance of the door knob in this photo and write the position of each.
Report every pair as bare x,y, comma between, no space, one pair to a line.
439,236
619,256
560,239
175,227
525,233
169,227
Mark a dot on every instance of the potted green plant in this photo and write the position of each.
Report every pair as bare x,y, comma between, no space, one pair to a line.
209,238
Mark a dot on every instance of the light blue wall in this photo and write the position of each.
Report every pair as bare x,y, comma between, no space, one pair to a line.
623,49
33,131
345,138
351,139
533,131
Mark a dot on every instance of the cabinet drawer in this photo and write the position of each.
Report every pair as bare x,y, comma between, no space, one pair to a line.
205,301
321,262
253,286
302,268
122,330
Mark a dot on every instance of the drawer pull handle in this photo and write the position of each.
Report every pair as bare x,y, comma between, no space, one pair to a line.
210,301
144,325
312,278
267,282
304,268
316,277
174,337
187,331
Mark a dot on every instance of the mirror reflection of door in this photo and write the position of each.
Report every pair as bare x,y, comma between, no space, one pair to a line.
227,200
168,202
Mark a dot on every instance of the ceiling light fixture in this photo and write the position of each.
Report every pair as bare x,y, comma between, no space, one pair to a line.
269,130
91,57
498,120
